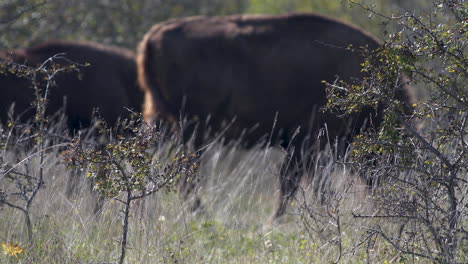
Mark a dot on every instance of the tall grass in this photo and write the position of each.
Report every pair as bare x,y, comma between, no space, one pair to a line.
238,189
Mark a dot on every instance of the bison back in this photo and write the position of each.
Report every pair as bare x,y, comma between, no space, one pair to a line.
250,67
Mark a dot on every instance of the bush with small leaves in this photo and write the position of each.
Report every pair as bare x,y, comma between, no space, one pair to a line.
125,166
422,172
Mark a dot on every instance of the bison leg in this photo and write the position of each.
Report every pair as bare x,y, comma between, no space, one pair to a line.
187,191
290,178
192,142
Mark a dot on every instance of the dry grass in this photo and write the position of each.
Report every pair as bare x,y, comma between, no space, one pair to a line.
238,190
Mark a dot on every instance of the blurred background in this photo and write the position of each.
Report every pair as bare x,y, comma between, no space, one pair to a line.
124,22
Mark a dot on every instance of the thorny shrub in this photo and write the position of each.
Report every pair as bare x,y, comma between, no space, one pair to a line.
422,172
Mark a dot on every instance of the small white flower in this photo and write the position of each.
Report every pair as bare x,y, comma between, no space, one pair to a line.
267,244
162,218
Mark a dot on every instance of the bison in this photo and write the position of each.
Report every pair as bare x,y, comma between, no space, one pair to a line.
249,68
109,83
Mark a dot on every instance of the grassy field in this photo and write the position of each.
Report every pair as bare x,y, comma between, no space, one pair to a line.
238,189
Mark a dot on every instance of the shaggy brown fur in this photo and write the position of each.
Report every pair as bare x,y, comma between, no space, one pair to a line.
250,67
109,83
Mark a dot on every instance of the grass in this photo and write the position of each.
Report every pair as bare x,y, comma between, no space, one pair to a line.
238,190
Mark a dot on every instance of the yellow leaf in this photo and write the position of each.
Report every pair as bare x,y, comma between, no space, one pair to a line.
12,249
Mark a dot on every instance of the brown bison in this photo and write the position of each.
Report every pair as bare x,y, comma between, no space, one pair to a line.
247,68
109,83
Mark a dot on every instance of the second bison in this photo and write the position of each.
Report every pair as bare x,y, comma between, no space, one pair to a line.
248,68
108,83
